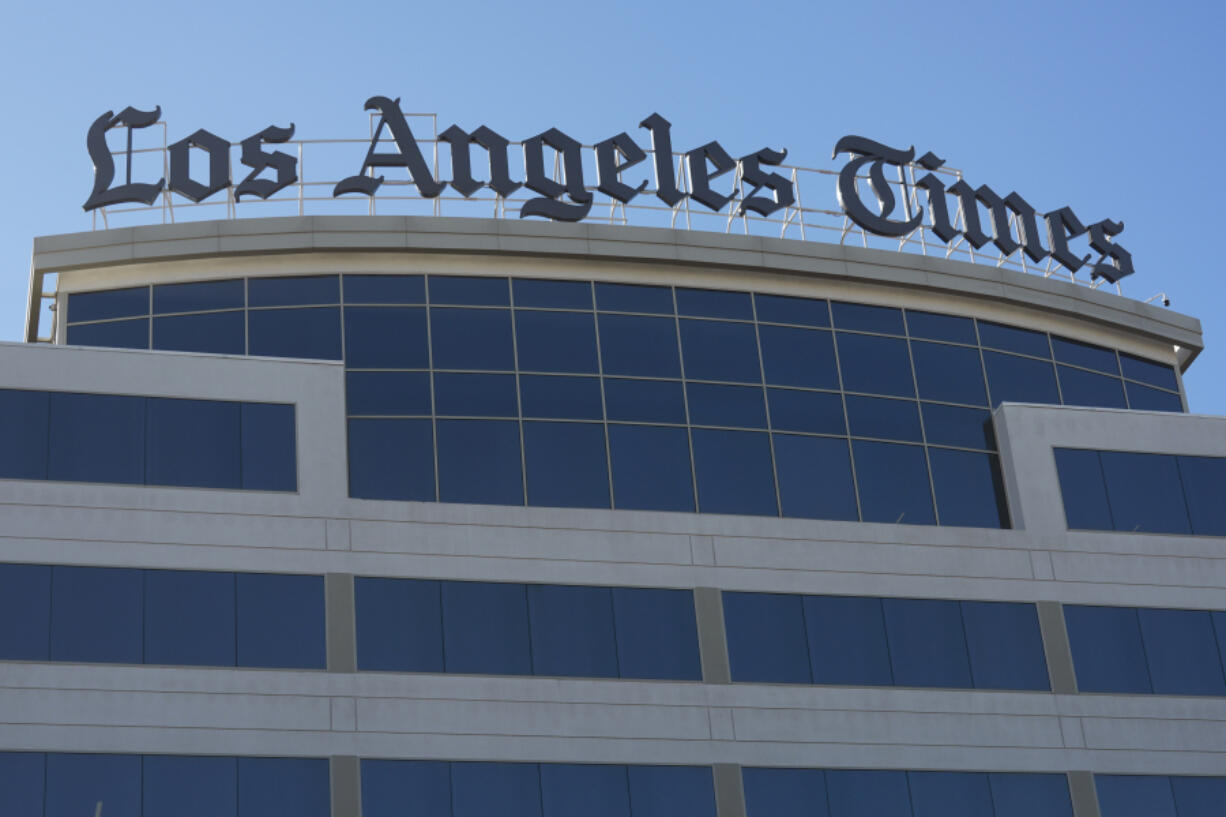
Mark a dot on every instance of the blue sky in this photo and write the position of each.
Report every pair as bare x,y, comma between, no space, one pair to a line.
1115,110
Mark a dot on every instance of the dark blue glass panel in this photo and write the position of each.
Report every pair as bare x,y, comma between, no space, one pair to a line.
193,443
644,401
1020,380
556,341
313,332
469,291
1199,796
1204,485
932,326
1219,627
766,638
710,303
720,351
283,787
569,398
386,337
385,289
472,339
281,621
883,418
785,309
734,472
1012,339
847,643
865,318
634,298
405,788
399,624
475,395
479,461
566,465
76,784
1182,652
1147,371
572,631
1135,796
113,334
189,786
645,347
552,294
857,793
798,357
738,406
1143,398
954,425
487,789
382,393
1144,492
951,374
270,460
814,477
107,303
391,459
893,482
1026,795
1085,355
672,791
198,296
651,468
950,794
219,333
657,635
22,784
485,628
875,365
813,411
927,646
1083,489
1081,388
23,434
189,618
1005,645
25,606
294,290
1108,655
968,489
569,790
96,614
784,792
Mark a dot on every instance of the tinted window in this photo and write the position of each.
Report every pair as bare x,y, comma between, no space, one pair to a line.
385,289
566,465
76,784
21,783
814,477
406,788
472,339
1107,651
1085,355
798,357
1083,489
710,303
399,624
1199,796
646,347
97,438
1182,652
386,337
893,481
482,789
199,296
875,365
955,425
192,443
280,621
1004,644
25,597
269,455
471,291
572,631
865,318
553,294
485,628
1144,492
634,298
968,488
734,472
1204,484
712,405
651,468
657,635
1147,371
1020,380
784,792
112,334
800,311
96,614
1024,795
672,791
952,374
1081,388
855,793
283,787
189,618
479,461
190,786
293,291
570,398
475,395
220,333
883,418
1143,398
647,401
766,638
108,303
847,641
23,434
941,327
556,341
313,332
927,646
584,790
1135,796
720,351
387,393
950,794
1012,339
816,412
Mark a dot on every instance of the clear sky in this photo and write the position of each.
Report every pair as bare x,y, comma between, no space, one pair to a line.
1114,109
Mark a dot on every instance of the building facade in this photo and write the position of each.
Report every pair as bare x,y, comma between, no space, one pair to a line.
375,516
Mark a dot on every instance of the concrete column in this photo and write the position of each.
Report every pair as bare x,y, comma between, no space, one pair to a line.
1055,644
344,775
342,635
730,791
712,644
1085,796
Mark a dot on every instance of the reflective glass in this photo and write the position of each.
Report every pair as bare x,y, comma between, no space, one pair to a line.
1144,492
23,434
572,631
875,365
192,443
270,460
651,468
968,487
294,290
552,294
657,634
711,303
25,607
469,290
189,786
399,624
107,303
955,425
405,788
672,791
950,794
566,465
786,309
375,393
570,398
813,411
734,472
189,618
313,332
1219,627
640,346
1026,795
1135,796
1085,355
96,614
883,418
479,461
798,357
76,784
472,339
951,374
385,289
1020,380
199,296
1081,388
932,326
814,477
714,350
1143,398
386,337
866,318
112,334
645,401
281,621
1005,645
1013,339
858,793
459,394
1182,652
485,628
589,790
737,406
766,638
219,333
784,792
1199,796
847,643
634,298
283,787
927,645
1083,489
503,789
893,482
1204,485
1147,371
22,784
556,341
1108,655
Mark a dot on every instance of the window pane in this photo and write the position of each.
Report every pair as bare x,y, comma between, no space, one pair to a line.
470,291
475,395
798,357
108,303
405,788
399,624
634,298
97,438
1143,398
1025,795
927,647
738,406
1012,339
572,790
734,472
479,461
1107,651
1081,388
941,327
1020,380
968,489
1147,371
199,296
96,614
651,468
1182,652
566,465
814,477
1144,492
283,787
313,332
386,337
192,443
556,341
189,786
952,374
572,631
720,351
813,411
1135,796
646,347
786,309
1204,485
76,784
883,418
1085,355
112,334
766,638
22,784
856,793
219,333
711,303
552,294
672,791
281,621
385,289
1005,646
270,460
657,636
954,425
645,401
1199,796
387,393
25,597
893,481
294,290
784,792
189,618
502,789
23,434
485,628
875,365
950,794
1083,488
866,318
847,643
570,398
472,339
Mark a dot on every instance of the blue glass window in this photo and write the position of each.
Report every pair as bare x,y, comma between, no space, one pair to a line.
784,792
569,398
1005,645
479,461
1135,796
814,477
1083,489
469,291
799,311
76,784
572,631
711,303
1081,388
1199,796
714,350
950,794
1012,339
1147,371
766,638
270,461
657,635
192,443
968,488
952,374
189,618
311,332
96,614
384,393
645,401
734,472
294,290
847,641
1181,651
857,793
634,298
931,326
281,621
504,789
485,628
1108,654
566,465
385,289
1026,795
798,357
386,337
23,434
284,787
639,346
672,791
955,425
189,786
1143,398
112,334
569,790
556,341
399,624
22,784
406,788
893,482
1204,485
816,412
1085,356
866,318
220,333
108,303
552,294
875,365
883,418
97,438
459,394
737,406
1144,492
651,468
927,645
25,597
472,339
198,296
1020,380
